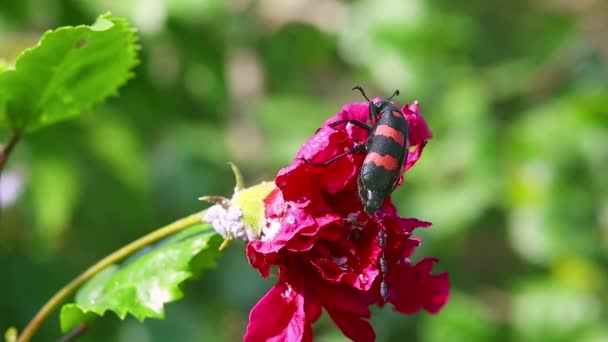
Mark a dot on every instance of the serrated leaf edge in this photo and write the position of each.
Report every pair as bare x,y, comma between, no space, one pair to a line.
131,38
175,290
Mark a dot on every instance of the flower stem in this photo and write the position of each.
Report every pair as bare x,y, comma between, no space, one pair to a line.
5,152
111,259
8,148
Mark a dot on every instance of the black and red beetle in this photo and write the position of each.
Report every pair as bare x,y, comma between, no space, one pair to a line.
386,151
386,148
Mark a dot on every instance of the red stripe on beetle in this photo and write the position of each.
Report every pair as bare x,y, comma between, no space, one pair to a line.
387,161
397,114
390,132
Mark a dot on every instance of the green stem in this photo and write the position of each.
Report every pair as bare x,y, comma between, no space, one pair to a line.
111,259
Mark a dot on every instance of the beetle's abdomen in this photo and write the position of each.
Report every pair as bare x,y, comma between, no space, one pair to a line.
387,151
388,145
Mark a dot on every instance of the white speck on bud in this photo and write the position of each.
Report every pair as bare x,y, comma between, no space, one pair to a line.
242,216
227,221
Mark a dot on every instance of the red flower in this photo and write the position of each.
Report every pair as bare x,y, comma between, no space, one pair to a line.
326,246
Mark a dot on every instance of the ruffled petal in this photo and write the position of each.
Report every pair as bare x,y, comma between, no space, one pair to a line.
419,133
412,287
278,317
352,326
419,130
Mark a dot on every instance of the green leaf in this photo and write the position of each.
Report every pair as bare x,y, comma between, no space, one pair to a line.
146,281
71,69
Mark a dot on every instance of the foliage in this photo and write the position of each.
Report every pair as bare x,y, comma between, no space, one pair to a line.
142,286
71,69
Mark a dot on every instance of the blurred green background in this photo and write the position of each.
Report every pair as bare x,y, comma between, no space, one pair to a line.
515,178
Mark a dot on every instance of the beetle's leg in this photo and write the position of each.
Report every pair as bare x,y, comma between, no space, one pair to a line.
383,264
354,122
356,149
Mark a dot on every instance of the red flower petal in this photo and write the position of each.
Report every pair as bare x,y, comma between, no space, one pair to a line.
303,182
354,327
412,287
289,224
353,111
419,130
349,309
279,316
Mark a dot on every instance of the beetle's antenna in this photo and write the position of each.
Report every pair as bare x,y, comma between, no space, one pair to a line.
396,93
362,92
